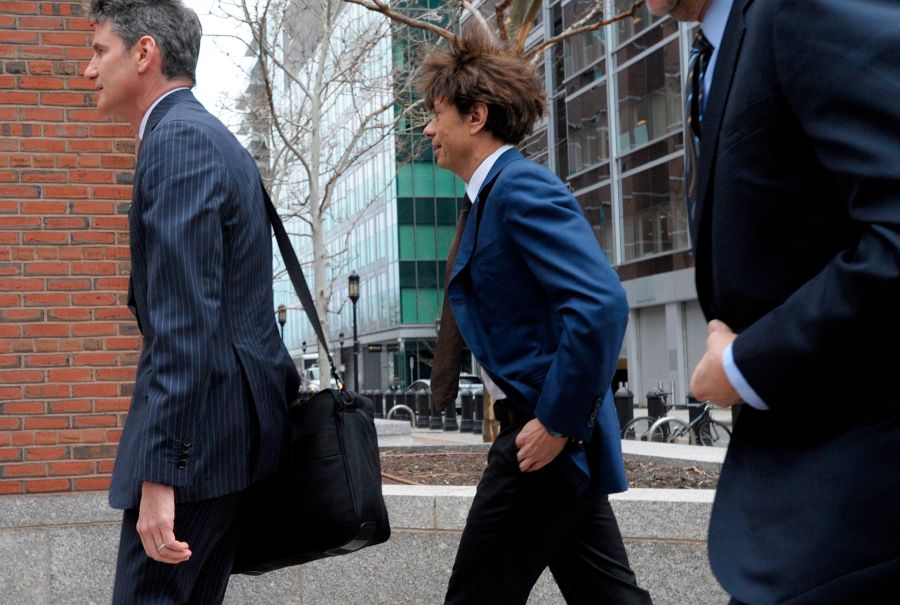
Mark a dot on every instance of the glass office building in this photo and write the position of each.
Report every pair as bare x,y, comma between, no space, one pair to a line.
614,135
392,221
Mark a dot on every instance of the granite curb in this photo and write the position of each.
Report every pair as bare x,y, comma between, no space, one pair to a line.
61,548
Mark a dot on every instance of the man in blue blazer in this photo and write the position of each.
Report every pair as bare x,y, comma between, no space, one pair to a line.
795,221
208,414
540,308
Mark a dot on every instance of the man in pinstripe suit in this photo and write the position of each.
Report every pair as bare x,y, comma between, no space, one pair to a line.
208,413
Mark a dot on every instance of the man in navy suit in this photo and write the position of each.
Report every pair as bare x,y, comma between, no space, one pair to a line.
795,221
208,414
540,308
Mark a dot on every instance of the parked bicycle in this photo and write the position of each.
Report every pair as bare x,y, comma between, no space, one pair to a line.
702,430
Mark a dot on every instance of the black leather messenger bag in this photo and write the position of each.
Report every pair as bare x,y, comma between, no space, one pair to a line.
327,500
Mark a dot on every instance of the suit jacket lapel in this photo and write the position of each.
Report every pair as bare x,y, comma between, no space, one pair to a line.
165,105
715,107
467,243
136,295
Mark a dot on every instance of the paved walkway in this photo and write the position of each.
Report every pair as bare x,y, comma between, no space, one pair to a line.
422,437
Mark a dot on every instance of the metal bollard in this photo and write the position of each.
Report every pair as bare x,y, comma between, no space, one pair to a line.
422,400
478,404
387,400
437,422
467,424
409,400
378,400
450,423
624,399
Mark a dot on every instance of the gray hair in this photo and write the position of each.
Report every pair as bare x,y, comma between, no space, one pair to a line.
175,28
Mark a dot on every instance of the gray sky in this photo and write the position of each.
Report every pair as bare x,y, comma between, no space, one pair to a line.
219,75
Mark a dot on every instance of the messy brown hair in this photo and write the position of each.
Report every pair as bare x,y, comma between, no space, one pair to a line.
479,70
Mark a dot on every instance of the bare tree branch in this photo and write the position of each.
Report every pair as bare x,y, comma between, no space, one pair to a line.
479,18
387,11
502,16
525,26
578,28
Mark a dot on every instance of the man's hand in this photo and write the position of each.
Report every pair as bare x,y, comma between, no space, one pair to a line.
156,524
537,447
709,382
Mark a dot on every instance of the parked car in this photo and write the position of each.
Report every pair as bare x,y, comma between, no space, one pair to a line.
313,379
466,381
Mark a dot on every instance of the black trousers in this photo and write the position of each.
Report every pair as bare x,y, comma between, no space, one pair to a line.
521,523
209,528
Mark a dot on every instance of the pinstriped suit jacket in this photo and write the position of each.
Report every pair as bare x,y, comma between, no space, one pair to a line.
208,413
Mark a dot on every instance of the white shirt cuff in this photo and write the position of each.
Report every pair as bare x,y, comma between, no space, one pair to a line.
739,383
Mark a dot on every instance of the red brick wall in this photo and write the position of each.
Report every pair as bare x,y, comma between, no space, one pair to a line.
68,344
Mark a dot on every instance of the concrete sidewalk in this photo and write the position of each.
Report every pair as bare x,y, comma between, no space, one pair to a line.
399,433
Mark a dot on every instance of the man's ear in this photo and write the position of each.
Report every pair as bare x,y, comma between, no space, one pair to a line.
147,53
477,117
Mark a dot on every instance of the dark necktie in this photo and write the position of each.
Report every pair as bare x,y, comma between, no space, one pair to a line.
694,102
448,353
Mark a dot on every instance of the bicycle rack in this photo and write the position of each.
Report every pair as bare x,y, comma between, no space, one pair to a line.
403,408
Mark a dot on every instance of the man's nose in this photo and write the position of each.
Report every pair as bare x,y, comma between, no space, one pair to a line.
90,72
429,129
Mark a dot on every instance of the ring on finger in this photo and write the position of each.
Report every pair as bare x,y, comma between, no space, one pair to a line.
160,547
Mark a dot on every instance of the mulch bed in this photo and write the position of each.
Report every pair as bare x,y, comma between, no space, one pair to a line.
465,468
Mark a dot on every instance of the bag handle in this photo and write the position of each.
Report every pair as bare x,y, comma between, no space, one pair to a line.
298,280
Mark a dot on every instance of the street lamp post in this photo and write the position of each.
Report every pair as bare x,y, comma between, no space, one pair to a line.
282,319
353,292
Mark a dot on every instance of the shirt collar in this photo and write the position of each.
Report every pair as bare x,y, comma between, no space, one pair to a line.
715,20
477,180
152,107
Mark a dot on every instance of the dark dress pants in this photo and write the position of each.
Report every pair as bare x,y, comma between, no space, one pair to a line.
521,523
209,528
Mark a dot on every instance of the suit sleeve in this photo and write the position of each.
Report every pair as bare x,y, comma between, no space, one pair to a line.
839,66
184,186
559,247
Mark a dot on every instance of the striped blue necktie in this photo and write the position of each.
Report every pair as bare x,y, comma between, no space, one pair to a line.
694,104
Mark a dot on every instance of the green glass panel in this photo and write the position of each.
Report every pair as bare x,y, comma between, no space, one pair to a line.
407,242
447,184
408,310
429,307
428,277
423,179
405,207
425,248
444,238
446,211
425,211
404,180
407,274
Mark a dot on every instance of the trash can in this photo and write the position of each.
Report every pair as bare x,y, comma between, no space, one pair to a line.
624,404
656,403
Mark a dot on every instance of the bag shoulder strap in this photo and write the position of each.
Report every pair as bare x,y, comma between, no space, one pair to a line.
298,280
